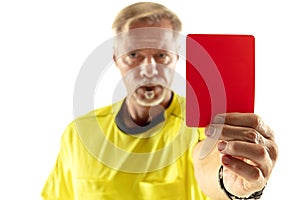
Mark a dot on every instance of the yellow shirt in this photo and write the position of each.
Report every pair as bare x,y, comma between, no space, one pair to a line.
99,161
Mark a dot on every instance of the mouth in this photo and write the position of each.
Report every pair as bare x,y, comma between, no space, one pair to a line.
150,91
149,94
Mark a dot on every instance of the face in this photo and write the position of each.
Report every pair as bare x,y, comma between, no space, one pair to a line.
147,72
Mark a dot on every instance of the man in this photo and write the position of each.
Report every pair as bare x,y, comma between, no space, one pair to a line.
140,147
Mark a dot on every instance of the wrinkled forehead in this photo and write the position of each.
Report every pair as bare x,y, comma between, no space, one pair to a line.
145,38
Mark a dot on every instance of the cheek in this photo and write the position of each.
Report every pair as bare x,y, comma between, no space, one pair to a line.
173,62
122,66
128,61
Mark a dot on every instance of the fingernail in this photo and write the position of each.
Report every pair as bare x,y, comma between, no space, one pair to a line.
222,145
209,131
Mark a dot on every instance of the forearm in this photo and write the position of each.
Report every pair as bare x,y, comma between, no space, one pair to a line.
206,173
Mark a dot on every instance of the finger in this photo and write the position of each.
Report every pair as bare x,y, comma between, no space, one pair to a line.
244,120
249,172
255,153
229,133
272,150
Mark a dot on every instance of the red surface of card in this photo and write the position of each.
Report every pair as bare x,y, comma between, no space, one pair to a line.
220,75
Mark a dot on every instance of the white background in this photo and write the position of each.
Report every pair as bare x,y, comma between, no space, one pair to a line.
43,45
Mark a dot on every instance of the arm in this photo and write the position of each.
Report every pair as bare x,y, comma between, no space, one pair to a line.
246,149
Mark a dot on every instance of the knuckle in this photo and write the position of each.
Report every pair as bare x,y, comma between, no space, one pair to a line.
257,121
261,152
271,134
273,151
251,135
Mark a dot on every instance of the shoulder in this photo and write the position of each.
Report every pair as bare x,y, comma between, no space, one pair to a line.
90,120
100,113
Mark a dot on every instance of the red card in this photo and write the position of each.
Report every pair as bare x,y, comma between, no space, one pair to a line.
220,75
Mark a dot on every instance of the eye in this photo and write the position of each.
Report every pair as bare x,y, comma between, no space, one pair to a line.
162,55
133,58
133,55
162,58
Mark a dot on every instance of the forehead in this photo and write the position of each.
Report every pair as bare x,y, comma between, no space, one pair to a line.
145,38
163,23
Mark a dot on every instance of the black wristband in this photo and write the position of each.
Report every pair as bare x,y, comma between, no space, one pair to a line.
255,195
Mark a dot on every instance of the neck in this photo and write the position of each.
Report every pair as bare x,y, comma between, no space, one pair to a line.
142,115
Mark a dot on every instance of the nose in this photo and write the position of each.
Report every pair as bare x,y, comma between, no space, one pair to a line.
148,70
149,59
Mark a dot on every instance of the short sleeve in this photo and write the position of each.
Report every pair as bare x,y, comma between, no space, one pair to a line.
58,185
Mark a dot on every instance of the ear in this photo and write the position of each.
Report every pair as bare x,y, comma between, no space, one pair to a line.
115,60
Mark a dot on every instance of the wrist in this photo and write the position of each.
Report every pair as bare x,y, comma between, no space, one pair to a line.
255,195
